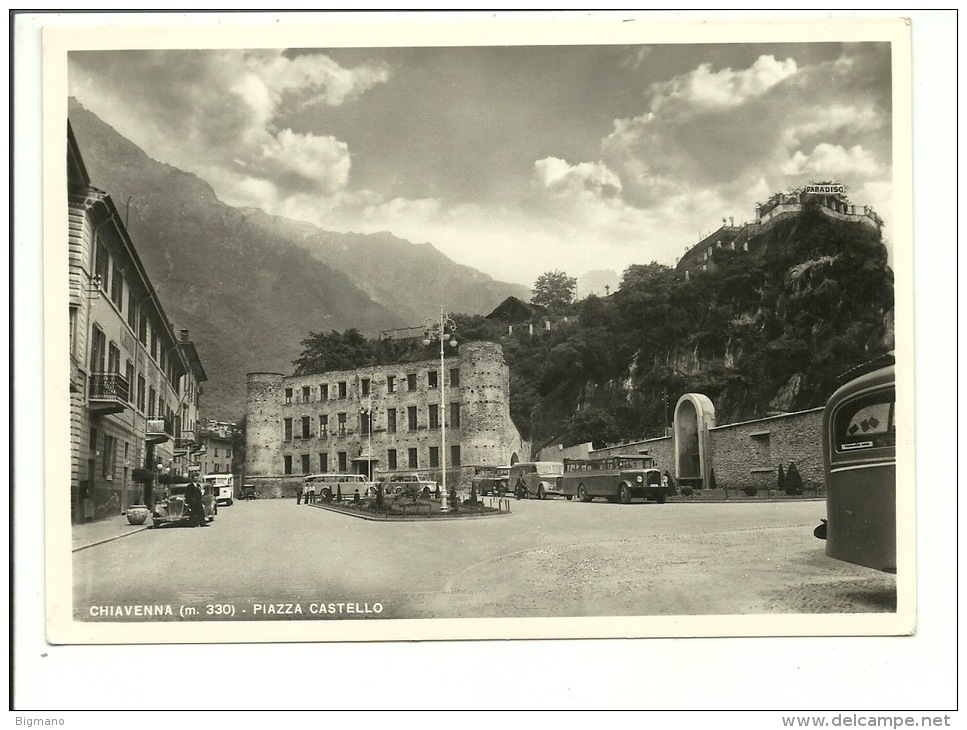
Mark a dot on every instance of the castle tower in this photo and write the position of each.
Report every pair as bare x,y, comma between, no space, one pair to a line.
263,425
485,395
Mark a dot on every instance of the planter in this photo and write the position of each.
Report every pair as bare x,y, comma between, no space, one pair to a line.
137,514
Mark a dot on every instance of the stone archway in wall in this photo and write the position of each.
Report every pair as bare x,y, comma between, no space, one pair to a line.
694,416
514,458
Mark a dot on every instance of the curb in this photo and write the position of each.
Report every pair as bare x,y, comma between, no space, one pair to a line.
371,518
111,539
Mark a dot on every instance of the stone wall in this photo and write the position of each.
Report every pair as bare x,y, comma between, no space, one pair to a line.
662,450
749,453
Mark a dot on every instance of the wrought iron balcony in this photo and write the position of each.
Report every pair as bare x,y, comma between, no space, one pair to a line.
108,393
159,430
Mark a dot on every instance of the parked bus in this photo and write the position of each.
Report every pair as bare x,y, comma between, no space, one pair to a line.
327,486
617,478
538,478
223,485
859,459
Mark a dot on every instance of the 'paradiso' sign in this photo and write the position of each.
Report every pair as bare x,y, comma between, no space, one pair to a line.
826,189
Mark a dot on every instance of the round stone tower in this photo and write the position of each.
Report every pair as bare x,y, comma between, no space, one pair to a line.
485,396
263,425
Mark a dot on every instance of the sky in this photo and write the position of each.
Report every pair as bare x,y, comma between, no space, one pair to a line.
515,160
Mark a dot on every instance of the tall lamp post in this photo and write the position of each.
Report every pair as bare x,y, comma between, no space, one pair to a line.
441,330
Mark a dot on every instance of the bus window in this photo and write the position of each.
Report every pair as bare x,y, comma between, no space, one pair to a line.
866,423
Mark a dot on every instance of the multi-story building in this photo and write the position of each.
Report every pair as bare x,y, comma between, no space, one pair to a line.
381,419
134,386
216,442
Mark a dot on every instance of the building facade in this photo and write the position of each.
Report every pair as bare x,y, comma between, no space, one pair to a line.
134,386
216,444
382,419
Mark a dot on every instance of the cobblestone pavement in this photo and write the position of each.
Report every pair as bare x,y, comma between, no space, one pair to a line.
548,558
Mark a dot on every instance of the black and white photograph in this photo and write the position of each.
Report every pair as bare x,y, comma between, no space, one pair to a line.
363,331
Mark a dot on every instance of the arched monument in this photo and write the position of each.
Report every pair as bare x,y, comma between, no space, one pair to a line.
694,416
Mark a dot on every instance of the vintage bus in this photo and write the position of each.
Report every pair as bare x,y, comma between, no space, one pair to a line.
616,478
328,486
223,486
538,478
859,459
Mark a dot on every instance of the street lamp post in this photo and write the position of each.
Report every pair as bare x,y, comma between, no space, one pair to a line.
441,330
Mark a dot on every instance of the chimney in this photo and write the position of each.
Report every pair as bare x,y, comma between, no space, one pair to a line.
184,335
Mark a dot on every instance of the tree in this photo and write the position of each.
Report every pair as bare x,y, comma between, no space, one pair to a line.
554,290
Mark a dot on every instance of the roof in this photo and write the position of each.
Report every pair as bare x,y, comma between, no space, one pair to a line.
513,310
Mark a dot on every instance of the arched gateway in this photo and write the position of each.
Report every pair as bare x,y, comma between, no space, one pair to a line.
694,416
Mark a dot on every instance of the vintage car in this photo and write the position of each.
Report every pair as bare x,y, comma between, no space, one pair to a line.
409,485
619,478
492,480
173,510
541,479
249,492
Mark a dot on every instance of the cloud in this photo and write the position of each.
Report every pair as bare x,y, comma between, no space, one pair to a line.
593,177
225,108
832,161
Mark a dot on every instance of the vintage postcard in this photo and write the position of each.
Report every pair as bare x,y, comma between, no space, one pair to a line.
372,328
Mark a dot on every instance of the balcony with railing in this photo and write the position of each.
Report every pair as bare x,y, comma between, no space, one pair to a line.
159,430
184,442
108,393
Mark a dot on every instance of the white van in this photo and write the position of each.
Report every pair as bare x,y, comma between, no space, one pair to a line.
223,485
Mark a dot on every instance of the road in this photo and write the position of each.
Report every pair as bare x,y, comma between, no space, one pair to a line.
547,559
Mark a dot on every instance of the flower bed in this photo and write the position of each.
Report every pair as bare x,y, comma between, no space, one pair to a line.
407,508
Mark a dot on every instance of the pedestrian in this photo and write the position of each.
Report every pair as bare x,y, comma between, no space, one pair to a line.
298,494
196,505
312,494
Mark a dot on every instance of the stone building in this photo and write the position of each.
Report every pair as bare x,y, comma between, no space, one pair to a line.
216,444
134,385
381,419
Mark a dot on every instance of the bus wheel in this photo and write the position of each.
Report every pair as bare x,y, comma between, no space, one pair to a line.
583,494
624,494
568,497
540,493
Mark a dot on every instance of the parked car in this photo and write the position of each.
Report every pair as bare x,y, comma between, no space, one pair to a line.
409,485
537,478
173,509
492,480
248,492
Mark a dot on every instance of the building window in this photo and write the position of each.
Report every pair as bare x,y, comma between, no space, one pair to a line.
390,383
132,310
101,264
342,424
143,329
287,464
323,462
364,386
324,391
154,344
454,415
73,329
391,459
305,393
107,463
434,457
432,380
342,389
117,287
98,345
412,457
411,382
288,395
342,462
454,456
434,412
454,377
390,420
411,418
305,463
164,362
364,423
323,427
113,358
152,401
129,376
216,453
305,427
288,429
141,385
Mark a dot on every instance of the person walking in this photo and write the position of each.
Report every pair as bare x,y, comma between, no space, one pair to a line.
312,494
298,494
196,505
